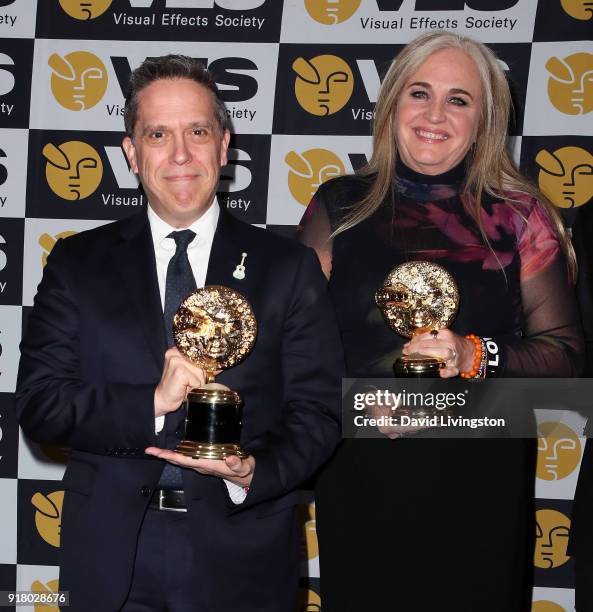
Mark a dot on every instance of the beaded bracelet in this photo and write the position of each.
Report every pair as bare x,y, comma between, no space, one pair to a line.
478,352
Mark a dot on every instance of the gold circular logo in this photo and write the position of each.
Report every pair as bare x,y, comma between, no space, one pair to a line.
85,10
310,169
308,601
566,176
48,516
47,243
50,587
579,9
307,514
570,86
331,12
78,80
558,451
546,606
323,85
73,169
552,530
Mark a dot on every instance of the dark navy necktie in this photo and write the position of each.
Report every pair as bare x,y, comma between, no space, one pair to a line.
180,279
180,283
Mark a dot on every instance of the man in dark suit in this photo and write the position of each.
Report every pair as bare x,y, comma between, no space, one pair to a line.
96,374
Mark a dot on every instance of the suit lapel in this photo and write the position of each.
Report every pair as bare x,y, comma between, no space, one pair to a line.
134,258
136,262
228,245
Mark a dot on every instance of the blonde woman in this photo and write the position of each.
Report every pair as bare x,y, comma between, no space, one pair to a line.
427,525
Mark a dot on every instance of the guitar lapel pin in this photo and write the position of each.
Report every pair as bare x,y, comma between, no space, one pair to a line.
239,272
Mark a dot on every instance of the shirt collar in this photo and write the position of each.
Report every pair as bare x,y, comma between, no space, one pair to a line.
204,227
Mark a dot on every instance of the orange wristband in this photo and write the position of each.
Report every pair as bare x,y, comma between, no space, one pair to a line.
477,357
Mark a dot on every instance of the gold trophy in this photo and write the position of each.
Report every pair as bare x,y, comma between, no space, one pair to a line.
417,297
215,328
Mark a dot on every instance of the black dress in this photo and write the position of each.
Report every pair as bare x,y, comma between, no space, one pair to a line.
417,524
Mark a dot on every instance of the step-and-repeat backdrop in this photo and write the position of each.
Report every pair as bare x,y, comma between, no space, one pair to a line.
300,81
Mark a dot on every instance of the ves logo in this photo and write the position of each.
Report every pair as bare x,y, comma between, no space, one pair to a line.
579,9
331,12
309,601
310,530
558,451
570,86
85,9
552,530
309,169
565,176
48,516
73,170
47,243
546,606
323,85
52,586
78,80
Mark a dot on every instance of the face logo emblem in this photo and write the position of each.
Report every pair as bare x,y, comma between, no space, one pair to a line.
331,12
73,170
48,516
552,530
78,80
546,606
309,601
47,243
323,85
48,589
570,86
85,9
309,170
558,451
579,9
565,176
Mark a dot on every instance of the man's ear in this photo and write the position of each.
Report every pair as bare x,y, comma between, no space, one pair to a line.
224,146
130,151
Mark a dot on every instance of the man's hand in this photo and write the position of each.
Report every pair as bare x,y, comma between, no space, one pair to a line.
233,469
179,375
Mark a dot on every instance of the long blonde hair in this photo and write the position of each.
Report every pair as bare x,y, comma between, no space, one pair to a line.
490,168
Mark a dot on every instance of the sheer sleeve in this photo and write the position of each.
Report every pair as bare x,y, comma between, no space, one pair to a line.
552,343
315,230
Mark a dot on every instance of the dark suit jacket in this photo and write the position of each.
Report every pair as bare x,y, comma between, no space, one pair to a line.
91,358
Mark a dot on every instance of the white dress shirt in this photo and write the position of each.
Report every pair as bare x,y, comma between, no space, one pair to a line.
198,253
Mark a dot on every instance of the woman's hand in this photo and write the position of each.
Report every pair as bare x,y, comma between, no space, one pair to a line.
457,352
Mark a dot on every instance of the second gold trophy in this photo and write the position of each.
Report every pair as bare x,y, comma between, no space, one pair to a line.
418,297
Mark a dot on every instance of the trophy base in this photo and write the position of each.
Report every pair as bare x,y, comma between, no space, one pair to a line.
418,366
213,423
420,413
199,450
